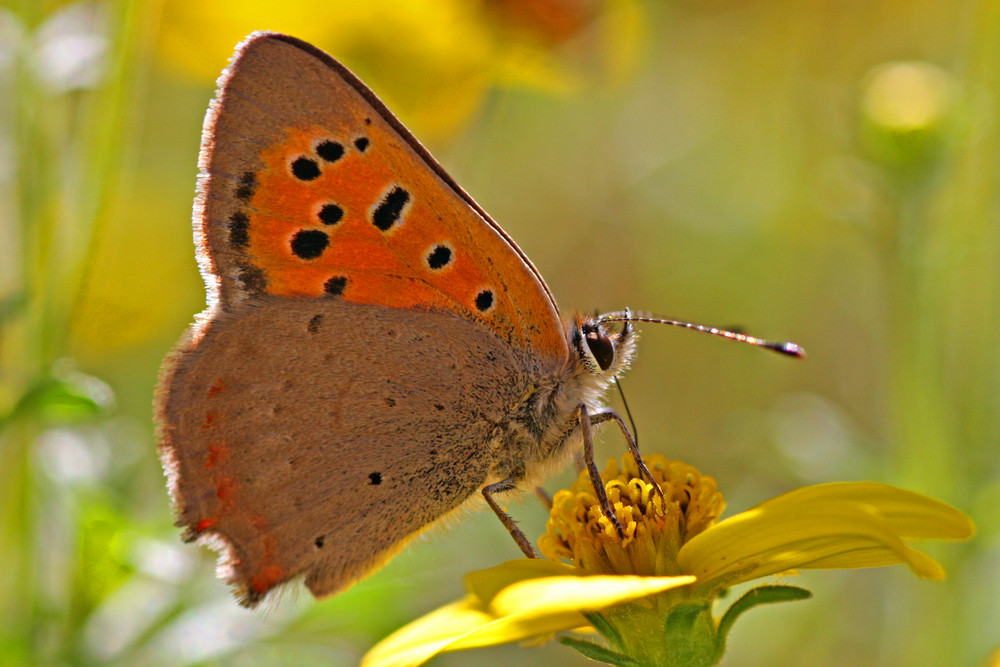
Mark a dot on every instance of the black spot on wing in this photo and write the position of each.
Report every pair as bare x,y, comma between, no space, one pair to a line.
309,243
330,214
389,209
254,278
439,257
247,186
335,286
484,300
305,169
330,151
239,230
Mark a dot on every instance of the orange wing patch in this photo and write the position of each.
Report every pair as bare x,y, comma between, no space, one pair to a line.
345,214
315,190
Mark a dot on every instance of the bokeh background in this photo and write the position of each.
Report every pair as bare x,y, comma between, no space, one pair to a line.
825,172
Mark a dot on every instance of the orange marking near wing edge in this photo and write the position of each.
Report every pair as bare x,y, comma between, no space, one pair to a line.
206,523
268,577
217,453
224,491
216,388
270,573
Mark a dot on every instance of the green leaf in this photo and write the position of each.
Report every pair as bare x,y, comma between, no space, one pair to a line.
607,630
101,566
753,598
65,400
61,402
600,653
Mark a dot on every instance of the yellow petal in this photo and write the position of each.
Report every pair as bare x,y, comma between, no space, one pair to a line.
485,584
543,606
553,595
912,515
516,601
535,597
518,627
842,525
424,638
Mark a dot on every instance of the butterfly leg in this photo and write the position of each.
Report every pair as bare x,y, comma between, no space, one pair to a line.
583,416
544,496
505,519
609,414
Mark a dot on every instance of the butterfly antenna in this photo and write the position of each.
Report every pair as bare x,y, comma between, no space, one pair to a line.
628,413
787,348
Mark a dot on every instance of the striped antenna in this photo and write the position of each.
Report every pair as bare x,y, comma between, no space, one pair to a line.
787,348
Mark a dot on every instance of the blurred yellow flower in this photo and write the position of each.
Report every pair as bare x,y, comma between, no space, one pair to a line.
431,61
907,96
650,594
905,108
131,297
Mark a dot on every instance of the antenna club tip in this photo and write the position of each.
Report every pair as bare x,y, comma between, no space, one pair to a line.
792,350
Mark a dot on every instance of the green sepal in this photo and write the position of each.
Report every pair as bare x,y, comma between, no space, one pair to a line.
600,653
753,598
689,635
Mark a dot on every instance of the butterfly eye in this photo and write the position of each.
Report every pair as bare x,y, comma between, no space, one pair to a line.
601,347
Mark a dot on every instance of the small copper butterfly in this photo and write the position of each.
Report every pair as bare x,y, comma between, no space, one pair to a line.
376,353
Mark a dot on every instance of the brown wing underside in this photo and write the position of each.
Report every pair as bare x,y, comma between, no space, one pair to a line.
315,437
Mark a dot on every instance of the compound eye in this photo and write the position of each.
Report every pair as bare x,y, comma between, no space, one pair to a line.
601,347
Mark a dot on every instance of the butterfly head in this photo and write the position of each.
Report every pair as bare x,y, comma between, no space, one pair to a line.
603,348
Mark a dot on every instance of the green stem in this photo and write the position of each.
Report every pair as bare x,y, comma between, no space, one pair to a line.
69,149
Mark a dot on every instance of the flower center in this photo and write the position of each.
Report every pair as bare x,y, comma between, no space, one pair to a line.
655,527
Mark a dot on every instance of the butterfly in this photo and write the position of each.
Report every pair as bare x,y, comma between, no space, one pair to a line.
376,354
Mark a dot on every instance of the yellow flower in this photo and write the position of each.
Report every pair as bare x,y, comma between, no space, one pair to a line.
650,594
518,600
655,525
431,61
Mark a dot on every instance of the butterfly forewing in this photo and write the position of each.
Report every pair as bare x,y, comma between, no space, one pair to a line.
314,190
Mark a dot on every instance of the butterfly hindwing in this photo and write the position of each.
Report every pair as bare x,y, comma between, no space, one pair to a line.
313,438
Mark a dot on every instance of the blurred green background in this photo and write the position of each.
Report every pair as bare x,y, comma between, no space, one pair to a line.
825,172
